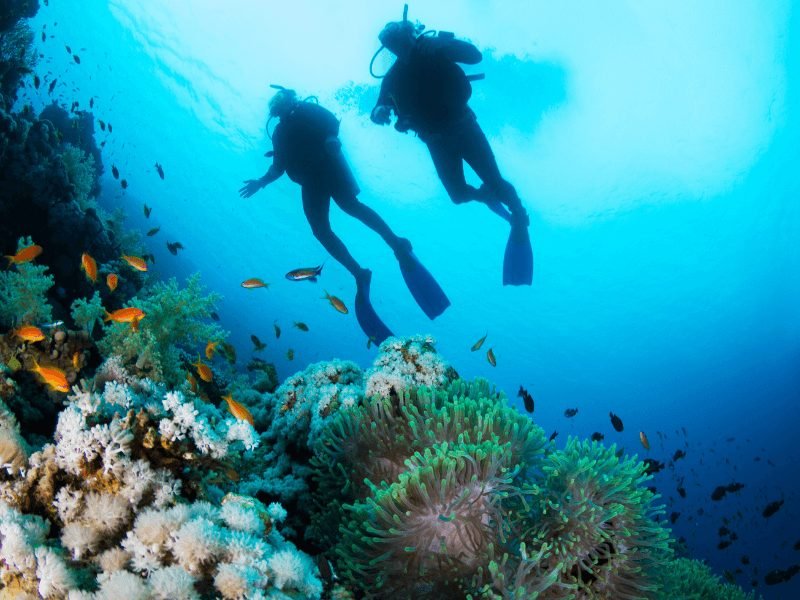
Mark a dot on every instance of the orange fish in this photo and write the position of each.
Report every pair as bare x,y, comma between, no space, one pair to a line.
76,361
490,357
203,370
29,333
89,265
27,254
137,263
253,283
192,382
54,377
211,348
111,281
125,315
238,409
644,440
336,303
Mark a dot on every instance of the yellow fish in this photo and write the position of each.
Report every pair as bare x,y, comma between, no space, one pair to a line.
89,266
211,347
27,254
137,263
203,370
336,303
29,333
253,283
477,345
490,357
111,281
54,377
76,361
238,409
644,440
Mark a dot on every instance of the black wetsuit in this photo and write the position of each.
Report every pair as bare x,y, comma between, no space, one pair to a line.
429,93
306,146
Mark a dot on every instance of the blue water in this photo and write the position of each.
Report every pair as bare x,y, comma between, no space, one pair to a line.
655,146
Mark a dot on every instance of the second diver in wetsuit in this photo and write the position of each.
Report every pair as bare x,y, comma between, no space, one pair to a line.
428,92
306,147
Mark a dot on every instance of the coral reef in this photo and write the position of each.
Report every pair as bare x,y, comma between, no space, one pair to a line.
23,292
693,580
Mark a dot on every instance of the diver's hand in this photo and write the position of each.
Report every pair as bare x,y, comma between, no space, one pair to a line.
381,115
250,187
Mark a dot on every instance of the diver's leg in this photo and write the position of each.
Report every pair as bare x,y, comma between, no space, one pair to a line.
357,209
316,206
478,154
450,169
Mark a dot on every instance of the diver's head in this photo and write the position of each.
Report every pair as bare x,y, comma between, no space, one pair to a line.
282,103
398,37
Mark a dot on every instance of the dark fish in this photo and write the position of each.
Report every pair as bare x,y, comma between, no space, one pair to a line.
91,102
305,274
797,545
616,422
110,129
215,316
149,258
745,560
719,493
597,437
44,36
36,81
652,466
325,570
724,544
259,345
772,508
301,326
76,58
570,412
114,170
479,343
527,399
228,351
682,492
723,531
153,231
69,50
52,86
290,354
102,124
780,576
147,211
173,247
124,184
491,358
277,330
160,171
673,516
678,455
553,436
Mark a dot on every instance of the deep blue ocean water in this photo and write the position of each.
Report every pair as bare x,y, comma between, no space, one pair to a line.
654,145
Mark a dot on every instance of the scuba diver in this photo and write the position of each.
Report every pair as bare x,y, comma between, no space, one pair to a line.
428,92
307,147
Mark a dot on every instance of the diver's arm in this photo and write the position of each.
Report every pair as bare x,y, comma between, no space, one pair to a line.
251,186
381,113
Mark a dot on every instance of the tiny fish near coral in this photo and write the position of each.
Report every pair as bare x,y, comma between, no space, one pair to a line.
29,333
54,377
89,266
238,409
125,315
203,370
253,283
111,281
25,255
134,261
336,303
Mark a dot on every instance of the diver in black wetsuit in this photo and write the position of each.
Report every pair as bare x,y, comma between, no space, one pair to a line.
307,147
429,92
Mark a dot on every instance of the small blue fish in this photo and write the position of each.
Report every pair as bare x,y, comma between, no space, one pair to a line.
305,273
52,325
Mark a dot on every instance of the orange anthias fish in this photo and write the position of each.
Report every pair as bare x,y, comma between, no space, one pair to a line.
54,377
490,357
76,361
89,266
254,283
29,333
125,315
211,348
644,440
111,281
238,409
27,254
336,303
203,370
137,263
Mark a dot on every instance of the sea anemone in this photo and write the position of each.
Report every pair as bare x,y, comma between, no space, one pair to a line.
596,520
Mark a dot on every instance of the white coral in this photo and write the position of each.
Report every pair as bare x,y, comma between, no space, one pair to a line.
55,578
172,583
122,584
403,363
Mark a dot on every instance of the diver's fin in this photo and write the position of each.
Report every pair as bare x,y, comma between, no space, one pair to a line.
518,260
367,318
426,291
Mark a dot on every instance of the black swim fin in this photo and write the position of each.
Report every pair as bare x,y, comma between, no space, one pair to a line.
518,260
371,324
426,291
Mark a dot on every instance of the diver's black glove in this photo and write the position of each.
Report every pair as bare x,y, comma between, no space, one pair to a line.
250,187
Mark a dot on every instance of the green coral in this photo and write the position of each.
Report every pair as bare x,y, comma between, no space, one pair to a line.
81,174
176,327
693,580
23,292
86,313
